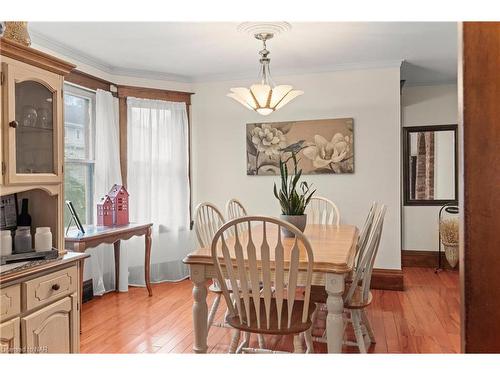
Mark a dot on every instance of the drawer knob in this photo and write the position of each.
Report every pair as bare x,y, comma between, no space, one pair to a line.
56,287
13,124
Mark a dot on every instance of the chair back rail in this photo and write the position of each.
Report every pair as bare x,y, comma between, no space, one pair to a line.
253,283
321,210
364,272
207,220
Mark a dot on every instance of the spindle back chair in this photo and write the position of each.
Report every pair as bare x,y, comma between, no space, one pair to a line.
321,210
264,277
358,296
207,220
234,210
365,232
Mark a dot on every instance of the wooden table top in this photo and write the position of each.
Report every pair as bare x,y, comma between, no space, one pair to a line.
333,247
95,232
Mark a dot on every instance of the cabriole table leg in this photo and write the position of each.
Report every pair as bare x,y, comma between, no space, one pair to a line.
147,262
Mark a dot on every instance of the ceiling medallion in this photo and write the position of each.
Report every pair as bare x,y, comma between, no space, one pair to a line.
264,97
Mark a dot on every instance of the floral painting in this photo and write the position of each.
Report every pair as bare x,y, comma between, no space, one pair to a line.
324,146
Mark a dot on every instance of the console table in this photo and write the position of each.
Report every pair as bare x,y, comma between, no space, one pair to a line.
96,235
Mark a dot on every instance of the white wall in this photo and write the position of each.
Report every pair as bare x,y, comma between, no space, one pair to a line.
371,97
426,105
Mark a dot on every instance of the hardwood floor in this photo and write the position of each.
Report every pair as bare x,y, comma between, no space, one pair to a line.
425,318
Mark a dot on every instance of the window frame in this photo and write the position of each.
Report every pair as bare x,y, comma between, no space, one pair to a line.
89,137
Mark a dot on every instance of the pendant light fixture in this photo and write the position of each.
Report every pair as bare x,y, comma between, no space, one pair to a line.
264,97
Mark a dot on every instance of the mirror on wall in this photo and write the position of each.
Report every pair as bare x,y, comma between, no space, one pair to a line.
430,165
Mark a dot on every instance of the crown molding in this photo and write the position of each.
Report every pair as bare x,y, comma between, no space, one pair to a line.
78,56
300,71
65,50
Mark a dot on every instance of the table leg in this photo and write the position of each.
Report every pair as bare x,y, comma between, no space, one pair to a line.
116,246
200,308
147,262
334,321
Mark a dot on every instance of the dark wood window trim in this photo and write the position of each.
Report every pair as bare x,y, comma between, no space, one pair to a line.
155,94
89,81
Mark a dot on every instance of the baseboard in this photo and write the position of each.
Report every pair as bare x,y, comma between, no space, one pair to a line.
88,291
422,258
387,279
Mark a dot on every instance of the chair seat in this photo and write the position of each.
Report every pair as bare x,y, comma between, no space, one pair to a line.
318,295
296,326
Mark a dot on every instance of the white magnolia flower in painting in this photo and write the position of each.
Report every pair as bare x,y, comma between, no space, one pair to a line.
268,139
323,152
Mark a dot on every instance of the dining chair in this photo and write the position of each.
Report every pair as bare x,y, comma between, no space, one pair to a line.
321,210
365,231
235,209
207,220
263,299
361,276
358,295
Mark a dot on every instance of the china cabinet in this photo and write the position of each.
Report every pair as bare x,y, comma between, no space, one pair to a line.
32,132
40,303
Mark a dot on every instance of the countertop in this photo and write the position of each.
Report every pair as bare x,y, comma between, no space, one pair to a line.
13,271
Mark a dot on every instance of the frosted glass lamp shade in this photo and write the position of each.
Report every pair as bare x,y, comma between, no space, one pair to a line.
261,94
262,98
288,98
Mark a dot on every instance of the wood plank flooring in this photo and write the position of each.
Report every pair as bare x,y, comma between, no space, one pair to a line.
425,318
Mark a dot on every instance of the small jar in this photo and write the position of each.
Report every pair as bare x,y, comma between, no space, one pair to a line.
22,240
6,243
43,239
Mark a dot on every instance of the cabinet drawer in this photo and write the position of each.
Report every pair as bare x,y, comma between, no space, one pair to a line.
10,302
48,288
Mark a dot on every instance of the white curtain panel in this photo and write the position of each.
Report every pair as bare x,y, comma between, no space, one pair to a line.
100,265
158,184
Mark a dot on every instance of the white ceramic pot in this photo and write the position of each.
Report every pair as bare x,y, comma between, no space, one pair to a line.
43,239
6,242
299,221
451,253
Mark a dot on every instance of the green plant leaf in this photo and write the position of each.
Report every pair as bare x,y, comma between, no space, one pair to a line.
293,197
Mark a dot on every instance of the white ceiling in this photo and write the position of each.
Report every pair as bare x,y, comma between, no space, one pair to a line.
216,50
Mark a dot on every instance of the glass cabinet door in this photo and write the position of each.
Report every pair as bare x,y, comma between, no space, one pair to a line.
35,128
34,145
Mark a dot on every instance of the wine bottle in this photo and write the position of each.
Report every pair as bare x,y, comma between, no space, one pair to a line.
24,218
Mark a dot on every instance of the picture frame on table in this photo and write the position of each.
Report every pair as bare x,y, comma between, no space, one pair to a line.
74,218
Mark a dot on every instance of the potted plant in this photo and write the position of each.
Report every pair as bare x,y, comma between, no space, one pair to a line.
293,197
449,237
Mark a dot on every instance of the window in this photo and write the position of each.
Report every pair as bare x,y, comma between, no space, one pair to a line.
79,126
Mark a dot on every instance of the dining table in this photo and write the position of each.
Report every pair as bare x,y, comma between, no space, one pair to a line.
334,249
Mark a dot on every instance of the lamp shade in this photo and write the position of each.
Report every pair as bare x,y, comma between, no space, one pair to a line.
262,98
